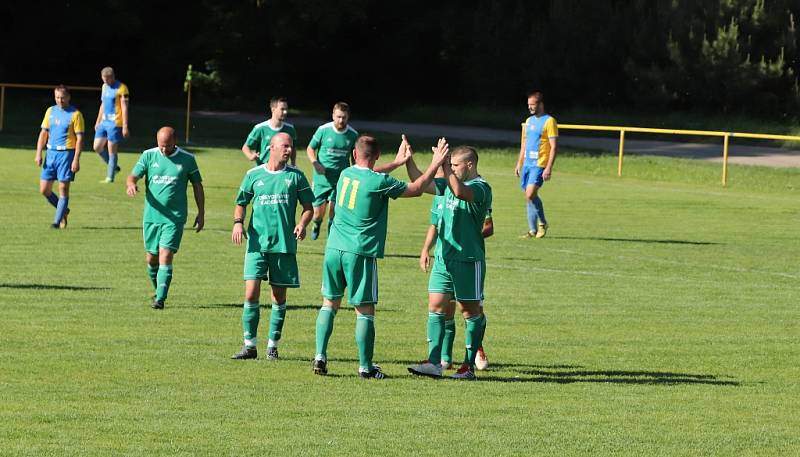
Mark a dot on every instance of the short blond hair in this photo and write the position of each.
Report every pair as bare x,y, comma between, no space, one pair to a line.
107,71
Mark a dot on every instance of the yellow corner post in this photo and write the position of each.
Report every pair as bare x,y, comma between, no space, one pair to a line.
2,104
187,87
621,151
725,141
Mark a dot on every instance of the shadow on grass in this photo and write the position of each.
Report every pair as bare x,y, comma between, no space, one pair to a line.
263,305
109,228
637,240
49,287
316,307
560,374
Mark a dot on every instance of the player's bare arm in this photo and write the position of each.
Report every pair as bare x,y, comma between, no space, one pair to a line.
488,227
237,233
132,188
40,144
424,181
312,157
124,101
521,158
200,200
459,189
403,154
251,154
305,219
425,256
99,116
76,161
548,169
413,171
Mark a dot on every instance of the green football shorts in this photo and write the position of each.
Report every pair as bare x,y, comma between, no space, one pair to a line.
462,280
358,273
324,187
280,269
166,235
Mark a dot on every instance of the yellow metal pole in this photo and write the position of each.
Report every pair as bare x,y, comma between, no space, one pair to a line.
2,104
725,142
188,109
621,151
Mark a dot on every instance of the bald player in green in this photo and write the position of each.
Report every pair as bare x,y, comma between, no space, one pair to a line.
357,240
167,170
274,189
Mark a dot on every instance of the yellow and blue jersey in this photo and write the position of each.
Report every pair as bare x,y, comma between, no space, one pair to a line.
538,131
111,98
62,126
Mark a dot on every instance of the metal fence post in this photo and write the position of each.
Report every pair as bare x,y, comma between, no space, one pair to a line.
725,141
621,151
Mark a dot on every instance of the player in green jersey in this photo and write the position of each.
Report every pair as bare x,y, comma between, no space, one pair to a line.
256,146
481,361
329,152
459,267
357,240
167,170
274,189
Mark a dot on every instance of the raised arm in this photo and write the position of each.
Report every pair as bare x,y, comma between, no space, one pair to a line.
403,154
424,181
414,171
459,189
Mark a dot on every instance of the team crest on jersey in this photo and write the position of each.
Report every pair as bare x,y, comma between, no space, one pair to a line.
179,167
288,182
58,121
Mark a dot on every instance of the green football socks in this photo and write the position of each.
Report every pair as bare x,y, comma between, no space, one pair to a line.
324,331
473,335
152,271
449,337
163,279
251,313
276,323
365,340
436,331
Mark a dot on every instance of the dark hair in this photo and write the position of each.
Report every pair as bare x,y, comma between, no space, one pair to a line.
273,102
61,88
468,152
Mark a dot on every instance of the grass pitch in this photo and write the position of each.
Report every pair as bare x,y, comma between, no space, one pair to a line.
658,317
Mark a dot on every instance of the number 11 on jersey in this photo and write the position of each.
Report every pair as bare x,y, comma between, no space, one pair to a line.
351,202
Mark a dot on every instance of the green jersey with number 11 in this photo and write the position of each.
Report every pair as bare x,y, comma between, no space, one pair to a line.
362,210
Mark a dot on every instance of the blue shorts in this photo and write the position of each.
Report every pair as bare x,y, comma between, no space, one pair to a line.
108,129
531,176
58,166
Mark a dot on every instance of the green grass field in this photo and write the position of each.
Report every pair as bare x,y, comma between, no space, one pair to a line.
658,317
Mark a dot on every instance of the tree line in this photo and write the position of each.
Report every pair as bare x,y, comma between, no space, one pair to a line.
715,55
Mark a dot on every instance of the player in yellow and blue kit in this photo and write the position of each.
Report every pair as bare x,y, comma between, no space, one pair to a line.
112,121
62,133
537,154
